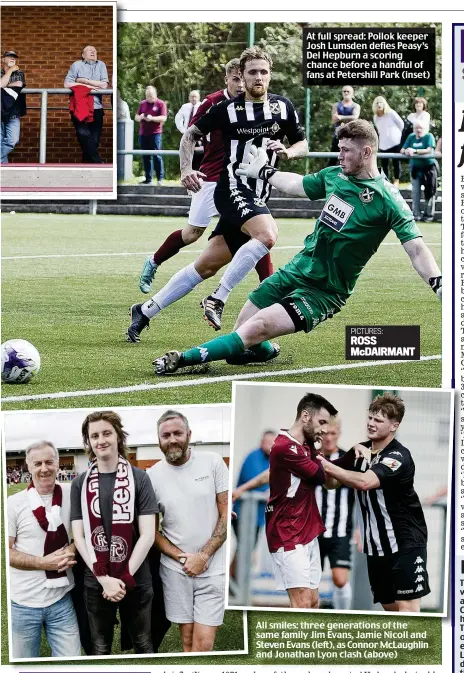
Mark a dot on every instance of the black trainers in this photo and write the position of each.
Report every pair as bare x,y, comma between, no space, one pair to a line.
249,357
139,322
212,311
167,364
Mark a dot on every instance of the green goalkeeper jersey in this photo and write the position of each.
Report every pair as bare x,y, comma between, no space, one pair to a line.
356,217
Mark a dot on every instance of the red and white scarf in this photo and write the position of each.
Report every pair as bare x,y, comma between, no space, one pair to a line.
56,534
110,559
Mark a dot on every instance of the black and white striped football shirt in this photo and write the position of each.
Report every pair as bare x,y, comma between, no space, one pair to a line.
244,124
336,506
390,516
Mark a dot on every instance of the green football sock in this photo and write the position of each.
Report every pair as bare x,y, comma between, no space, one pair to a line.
263,350
217,349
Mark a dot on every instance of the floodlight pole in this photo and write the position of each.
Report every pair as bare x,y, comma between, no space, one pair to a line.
251,34
307,121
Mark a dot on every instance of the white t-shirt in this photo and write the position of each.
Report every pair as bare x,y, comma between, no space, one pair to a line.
186,497
28,586
423,117
390,126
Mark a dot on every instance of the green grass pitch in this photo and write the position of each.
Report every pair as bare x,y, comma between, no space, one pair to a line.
74,309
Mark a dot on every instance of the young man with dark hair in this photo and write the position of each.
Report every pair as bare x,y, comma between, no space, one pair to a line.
246,230
393,528
293,522
113,511
361,207
191,489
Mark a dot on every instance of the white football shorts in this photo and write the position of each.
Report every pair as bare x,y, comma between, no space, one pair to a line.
202,208
299,567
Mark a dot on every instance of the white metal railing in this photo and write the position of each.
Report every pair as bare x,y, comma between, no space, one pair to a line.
44,109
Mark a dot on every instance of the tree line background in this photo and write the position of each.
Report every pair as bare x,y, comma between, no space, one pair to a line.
176,58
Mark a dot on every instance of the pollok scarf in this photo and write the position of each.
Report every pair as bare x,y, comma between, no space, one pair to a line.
110,559
56,536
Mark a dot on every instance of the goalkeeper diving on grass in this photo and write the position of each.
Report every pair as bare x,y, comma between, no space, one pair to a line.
360,209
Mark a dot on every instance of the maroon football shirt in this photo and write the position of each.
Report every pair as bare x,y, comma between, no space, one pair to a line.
213,158
292,515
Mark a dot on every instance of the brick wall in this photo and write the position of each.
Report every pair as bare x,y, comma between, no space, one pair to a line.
48,40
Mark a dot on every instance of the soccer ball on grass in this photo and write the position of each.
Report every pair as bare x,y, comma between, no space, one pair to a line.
20,361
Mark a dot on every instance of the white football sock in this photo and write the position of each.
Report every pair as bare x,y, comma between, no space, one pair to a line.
245,259
180,284
342,597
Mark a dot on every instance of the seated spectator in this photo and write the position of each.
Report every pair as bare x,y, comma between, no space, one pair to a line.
423,166
420,113
389,126
91,73
12,80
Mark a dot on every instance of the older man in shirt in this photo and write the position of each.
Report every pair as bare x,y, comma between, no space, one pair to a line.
92,73
40,557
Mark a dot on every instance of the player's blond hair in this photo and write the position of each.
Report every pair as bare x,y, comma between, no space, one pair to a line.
233,64
254,53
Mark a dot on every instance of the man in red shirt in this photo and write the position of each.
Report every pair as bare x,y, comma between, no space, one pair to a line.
152,113
202,208
293,522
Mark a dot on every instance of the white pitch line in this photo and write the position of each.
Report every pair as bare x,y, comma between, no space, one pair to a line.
130,254
206,381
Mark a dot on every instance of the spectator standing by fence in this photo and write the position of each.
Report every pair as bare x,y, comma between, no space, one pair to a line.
151,114
389,126
420,113
92,73
13,102
346,110
420,147
183,118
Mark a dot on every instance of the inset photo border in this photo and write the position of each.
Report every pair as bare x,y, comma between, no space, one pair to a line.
50,453
59,101
400,485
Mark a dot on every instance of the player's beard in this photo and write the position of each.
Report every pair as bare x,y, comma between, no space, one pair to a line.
256,91
309,434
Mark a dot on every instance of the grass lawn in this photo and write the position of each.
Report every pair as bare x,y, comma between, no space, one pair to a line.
69,280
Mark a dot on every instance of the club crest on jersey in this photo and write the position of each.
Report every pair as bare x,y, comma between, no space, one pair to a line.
366,195
275,128
392,463
274,108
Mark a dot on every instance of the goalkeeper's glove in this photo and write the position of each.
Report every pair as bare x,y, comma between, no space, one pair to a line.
258,166
435,284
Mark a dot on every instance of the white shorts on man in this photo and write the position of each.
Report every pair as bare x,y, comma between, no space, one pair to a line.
202,208
299,567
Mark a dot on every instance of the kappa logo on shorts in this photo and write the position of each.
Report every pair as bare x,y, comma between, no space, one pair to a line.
259,203
235,192
419,560
366,195
419,569
203,354
419,587
245,211
274,108
419,578
336,213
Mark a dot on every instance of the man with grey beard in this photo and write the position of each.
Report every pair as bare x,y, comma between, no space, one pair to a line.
191,492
